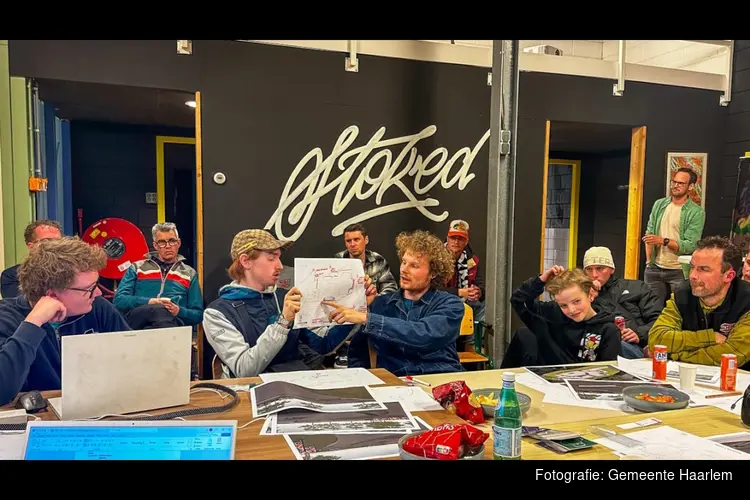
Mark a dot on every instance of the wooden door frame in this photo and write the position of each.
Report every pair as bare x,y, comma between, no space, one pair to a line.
633,236
635,201
161,141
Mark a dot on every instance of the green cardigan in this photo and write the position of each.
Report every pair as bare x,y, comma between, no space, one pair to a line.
692,219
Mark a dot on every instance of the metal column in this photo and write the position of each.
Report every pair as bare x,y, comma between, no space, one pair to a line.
500,194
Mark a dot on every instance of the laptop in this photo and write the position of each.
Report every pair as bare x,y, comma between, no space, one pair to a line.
124,372
131,440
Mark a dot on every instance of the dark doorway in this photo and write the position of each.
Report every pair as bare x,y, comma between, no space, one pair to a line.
587,190
179,174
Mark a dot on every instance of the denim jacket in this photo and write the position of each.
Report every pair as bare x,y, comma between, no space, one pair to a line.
420,341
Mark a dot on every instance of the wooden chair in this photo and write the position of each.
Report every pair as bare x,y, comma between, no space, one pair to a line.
470,356
216,370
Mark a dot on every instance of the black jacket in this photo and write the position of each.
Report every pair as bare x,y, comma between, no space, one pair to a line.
633,300
9,279
722,319
560,339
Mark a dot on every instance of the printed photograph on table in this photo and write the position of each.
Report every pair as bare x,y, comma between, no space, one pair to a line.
271,397
394,419
698,163
603,390
739,441
347,446
557,374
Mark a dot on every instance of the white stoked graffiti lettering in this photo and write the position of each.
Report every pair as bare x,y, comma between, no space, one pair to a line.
303,199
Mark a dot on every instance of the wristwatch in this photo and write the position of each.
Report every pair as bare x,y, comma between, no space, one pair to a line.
666,242
284,322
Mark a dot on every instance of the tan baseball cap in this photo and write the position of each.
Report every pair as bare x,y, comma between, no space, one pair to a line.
598,256
255,239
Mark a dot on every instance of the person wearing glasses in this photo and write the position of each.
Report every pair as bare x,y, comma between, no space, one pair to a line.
674,227
36,231
59,297
161,290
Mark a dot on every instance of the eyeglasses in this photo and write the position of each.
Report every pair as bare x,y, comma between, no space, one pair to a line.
90,291
163,243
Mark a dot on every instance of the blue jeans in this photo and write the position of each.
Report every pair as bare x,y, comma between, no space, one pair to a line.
632,351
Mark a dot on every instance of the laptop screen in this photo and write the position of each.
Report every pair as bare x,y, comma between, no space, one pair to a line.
130,442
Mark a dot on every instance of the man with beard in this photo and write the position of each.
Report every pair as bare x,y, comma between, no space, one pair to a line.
674,226
707,315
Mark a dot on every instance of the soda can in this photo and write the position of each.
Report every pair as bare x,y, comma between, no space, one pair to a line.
728,372
620,322
659,371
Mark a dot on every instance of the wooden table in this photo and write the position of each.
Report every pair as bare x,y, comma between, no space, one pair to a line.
703,422
539,414
250,444
706,421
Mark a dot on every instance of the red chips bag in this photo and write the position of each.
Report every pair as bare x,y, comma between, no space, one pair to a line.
457,397
446,442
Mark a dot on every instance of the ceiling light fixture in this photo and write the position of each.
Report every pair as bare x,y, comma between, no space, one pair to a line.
191,104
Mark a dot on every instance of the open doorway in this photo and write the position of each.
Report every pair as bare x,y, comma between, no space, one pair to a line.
592,193
130,155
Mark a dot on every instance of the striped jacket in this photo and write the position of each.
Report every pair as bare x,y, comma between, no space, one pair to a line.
144,280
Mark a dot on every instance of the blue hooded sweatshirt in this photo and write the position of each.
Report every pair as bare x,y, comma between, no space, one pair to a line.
30,356
241,327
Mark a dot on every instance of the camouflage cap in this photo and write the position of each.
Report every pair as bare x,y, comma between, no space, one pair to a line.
255,239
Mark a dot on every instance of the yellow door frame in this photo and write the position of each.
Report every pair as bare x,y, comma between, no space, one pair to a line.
161,207
574,193
633,233
161,141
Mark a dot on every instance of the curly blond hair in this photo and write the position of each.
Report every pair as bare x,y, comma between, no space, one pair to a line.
567,279
53,265
424,243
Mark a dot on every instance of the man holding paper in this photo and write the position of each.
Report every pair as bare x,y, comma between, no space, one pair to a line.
412,331
250,325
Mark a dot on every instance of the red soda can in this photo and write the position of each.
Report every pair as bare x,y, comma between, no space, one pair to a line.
620,322
659,370
728,372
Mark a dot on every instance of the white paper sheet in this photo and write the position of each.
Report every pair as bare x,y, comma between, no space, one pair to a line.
668,443
326,379
12,445
338,280
411,398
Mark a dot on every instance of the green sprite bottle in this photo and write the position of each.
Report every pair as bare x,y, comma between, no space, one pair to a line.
506,431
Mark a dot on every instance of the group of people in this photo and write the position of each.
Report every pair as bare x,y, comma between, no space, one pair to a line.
409,327
698,310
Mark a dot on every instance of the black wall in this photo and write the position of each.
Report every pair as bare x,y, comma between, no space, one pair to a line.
265,107
738,124
113,167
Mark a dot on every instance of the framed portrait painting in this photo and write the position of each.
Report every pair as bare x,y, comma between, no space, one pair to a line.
698,163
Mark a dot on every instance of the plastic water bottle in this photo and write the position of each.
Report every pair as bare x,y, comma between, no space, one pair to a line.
506,431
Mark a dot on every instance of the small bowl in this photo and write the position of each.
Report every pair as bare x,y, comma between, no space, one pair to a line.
681,400
405,455
489,411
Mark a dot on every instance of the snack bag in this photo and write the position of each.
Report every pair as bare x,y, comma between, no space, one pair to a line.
456,397
446,442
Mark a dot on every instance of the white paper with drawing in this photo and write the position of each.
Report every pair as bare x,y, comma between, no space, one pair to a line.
338,280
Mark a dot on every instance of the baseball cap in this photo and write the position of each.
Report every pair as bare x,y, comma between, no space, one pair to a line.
459,227
255,239
598,256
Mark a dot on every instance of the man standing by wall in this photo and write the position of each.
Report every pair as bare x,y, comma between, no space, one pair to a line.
674,227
